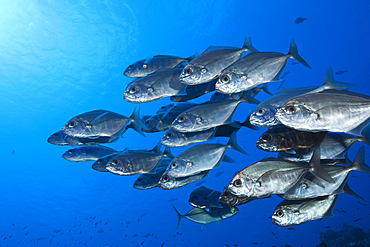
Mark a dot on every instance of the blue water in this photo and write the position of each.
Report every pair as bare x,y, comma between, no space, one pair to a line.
62,58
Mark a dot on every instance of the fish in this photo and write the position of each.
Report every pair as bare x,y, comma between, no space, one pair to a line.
341,72
211,62
204,217
190,162
281,138
194,91
168,183
172,199
219,174
87,153
296,212
330,110
58,138
101,164
274,176
264,114
203,197
152,64
310,187
138,162
209,114
156,86
100,231
150,180
256,68
75,141
165,108
217,96
200,183
101,123
299,20
228,199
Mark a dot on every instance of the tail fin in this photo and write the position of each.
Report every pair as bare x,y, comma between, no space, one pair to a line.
265,89
157,148
179,216
365,135
359,162
330,83
192,57
248,124
317,170
133,126
167,153
232,144
138,123
294,53
248,44
347,190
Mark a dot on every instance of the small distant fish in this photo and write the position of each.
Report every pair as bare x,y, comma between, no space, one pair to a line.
273,233
294,63
290,228
200,183
357,220
227,245
219,174
162,244
134,235
299,20
141,216
172,199
24,227
13,152
57,231
100,231
327,227
13,224
147,235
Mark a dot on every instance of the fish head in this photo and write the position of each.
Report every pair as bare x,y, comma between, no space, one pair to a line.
287,216
78,127
196,200
227,199
167,182
133,70
187,121
267,142
174,138
58,138
151,124
230,82
231,212
142,182
137,93
101,163
241,185
120,166
294,114
74,154
264,116
192,74
179,166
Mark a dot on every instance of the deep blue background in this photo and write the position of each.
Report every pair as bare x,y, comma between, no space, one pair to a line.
62,58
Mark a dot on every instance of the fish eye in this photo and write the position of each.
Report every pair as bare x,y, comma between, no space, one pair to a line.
237,183
133,90
166,178
185,134
72,124
204,70
115,162
188,71
225,79
266,137
145,66
217,93
198,119
100,161
161,121
280,213
182,119
131,66
148,122
169,135
139,179
195,197
291,109
55,134
174,165
70,151
261,112
150,89
304,186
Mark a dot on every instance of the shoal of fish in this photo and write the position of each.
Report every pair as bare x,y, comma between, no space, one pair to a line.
311,128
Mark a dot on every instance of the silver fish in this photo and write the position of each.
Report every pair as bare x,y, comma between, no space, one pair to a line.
204,217
209,115
310,187
58,138
138,162
211,62
201,157
155,86
256,68
264,113
228,199
152,64
235,96
203,197
150,180
87,153
76,141
290,213
101,123
101,164
331,110
195,91
169,183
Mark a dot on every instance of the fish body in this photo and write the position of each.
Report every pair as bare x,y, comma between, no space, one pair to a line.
100,123
89,141
87,153
299,20
174,138
150,180
155,86
168,183
290,213
203,197
217,96
331,110
210,63
201,157
194,91
208,115
148,66
281,138
254,69
204,217
341,72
